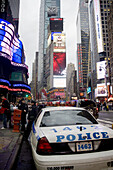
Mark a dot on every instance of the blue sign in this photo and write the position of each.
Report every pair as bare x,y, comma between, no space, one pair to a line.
89,90
9,43
22,85
52,33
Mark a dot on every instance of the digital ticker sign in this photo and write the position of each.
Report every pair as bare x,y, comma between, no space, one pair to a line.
9,43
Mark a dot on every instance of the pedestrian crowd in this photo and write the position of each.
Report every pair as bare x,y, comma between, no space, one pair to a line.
29,112
107,106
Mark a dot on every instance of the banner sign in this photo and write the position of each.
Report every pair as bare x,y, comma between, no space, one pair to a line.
98,26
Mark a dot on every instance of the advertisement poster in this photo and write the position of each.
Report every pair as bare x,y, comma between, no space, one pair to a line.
59,41
59,63
101,70
101,90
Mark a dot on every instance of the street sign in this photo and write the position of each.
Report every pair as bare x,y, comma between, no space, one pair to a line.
29,97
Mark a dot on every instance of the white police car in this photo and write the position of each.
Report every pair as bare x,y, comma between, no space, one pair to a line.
69,138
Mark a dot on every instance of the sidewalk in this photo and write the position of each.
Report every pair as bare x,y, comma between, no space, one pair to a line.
9,147
109,111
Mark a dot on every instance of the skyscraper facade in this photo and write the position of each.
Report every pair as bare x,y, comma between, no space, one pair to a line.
83,50
110,37
48,9
98,12
9,10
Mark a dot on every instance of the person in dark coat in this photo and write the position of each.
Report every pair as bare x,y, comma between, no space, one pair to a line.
5,110
23,106
33,111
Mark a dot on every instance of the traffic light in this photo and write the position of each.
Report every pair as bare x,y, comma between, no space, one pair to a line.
27,95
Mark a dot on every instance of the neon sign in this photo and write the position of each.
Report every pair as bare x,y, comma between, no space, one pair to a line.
12,89
5,81
21,85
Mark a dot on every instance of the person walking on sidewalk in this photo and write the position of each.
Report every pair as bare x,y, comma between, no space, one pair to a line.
5,110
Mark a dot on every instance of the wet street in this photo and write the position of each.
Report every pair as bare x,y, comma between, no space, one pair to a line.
24,160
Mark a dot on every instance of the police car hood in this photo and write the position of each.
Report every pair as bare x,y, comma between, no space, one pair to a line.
76,133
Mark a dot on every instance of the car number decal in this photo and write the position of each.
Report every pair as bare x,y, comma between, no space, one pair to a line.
78,127
84,146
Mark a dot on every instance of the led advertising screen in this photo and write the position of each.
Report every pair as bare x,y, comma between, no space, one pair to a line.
101,70
56,24
59,41
52,33
17,50
9,44
59,63
59,81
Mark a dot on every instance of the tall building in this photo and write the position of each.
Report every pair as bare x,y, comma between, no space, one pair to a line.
9,11
13,70
34,82
83,47
110,37
98,12
48,9
71,82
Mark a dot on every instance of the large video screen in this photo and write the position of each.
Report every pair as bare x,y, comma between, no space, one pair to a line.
9,43
59,63
56,24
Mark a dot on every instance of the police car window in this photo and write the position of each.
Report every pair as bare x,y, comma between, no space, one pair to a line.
38,114
67,117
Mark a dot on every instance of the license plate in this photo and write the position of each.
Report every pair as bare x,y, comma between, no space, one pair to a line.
84,146
61,168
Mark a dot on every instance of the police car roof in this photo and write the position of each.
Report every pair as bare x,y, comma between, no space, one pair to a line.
62,108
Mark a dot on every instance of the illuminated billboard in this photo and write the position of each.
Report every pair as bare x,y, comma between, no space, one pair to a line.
98,26
101,69
9,44
59,63
56,24
52,33
59,41
59,81
101,90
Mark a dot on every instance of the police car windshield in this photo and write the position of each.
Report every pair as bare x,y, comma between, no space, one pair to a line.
67,117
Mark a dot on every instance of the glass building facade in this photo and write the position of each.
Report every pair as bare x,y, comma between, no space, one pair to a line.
48,9
98,13
83,43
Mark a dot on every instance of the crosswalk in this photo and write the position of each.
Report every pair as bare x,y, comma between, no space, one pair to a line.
107,122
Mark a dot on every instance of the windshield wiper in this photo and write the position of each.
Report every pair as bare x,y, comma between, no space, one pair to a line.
43,125
78,123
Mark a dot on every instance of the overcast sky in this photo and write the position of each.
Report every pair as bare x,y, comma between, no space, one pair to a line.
29,29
